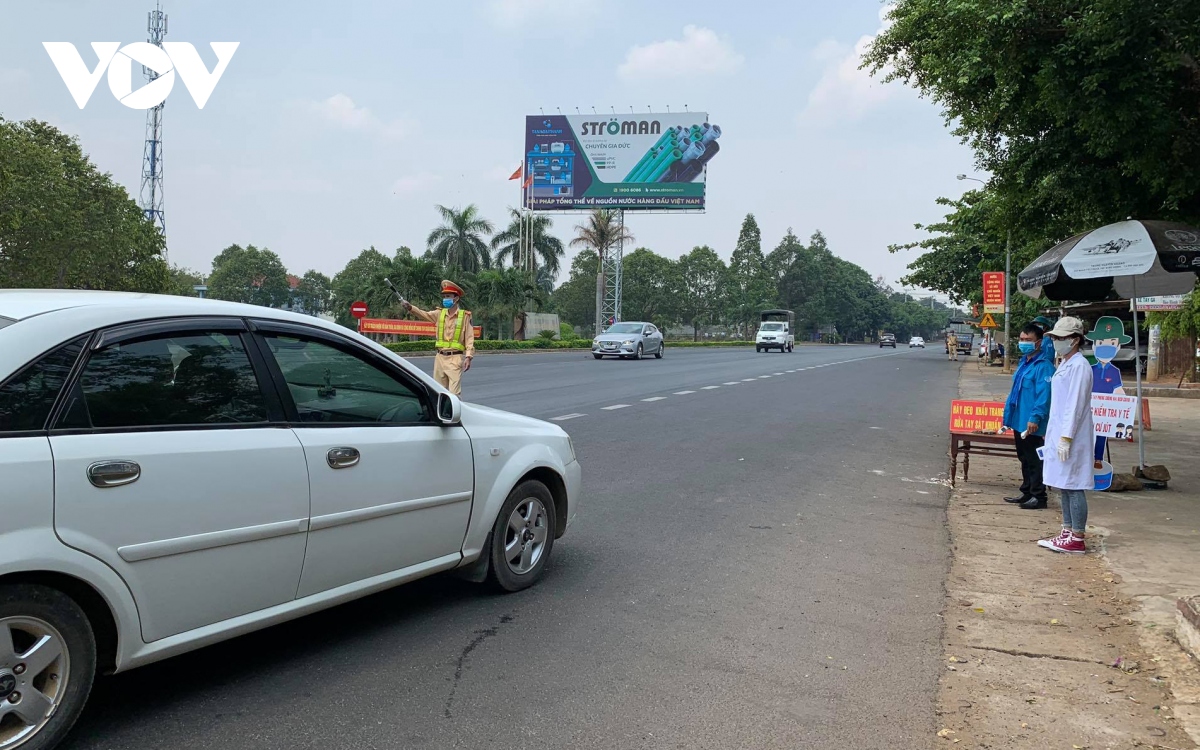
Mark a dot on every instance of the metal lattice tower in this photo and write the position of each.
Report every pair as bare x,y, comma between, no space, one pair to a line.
151,197
611,309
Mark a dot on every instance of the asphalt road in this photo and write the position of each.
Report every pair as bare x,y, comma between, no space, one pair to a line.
757,565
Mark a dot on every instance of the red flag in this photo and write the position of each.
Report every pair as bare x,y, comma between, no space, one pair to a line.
528,180
517,175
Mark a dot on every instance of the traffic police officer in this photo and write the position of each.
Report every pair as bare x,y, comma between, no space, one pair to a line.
455,337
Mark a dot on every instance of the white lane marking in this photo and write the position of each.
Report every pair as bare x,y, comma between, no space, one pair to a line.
763,377
876,428
779,373
749,380
565,417
732,382
655,398
683,393
710,387
791,370
614,407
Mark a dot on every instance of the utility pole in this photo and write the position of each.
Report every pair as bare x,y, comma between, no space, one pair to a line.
1007,296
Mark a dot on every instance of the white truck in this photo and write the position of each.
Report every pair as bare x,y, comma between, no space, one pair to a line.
776,330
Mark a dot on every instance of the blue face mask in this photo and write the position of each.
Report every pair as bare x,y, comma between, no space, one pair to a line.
1105,352
447,303
1026,347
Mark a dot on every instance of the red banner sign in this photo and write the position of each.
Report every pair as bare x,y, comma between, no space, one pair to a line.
976,416
402,327
993,292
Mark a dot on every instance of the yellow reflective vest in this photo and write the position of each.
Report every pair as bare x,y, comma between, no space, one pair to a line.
455,343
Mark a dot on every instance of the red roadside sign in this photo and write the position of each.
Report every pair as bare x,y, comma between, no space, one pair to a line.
993,292
359,310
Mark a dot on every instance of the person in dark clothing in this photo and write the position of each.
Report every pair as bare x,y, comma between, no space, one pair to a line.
1026,412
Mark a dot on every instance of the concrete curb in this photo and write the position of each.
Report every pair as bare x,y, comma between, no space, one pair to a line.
1168,392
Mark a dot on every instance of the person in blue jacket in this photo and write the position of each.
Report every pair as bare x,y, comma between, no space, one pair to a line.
1026,412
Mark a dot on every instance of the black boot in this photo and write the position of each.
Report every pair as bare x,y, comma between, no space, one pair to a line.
1034,503
1018,500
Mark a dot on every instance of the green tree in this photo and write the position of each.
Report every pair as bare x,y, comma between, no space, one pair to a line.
604,231
649,288
701,274
64,224
314,293
497,296
361,280
548,250
750,288
460,242
575,298
251,275
182,281
1084,113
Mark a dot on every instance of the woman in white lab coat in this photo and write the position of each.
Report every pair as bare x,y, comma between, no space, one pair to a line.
1070,435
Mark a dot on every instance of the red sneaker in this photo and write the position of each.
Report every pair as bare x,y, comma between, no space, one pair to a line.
1069,543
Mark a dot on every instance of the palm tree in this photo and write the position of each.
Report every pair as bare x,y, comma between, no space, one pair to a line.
500,293
458,243
548,250
603,231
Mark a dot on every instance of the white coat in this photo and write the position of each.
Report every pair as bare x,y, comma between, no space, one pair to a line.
1070,416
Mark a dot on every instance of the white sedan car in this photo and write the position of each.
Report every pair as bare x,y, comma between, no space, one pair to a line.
916,341
180,471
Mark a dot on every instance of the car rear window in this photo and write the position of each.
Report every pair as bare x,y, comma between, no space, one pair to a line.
27,398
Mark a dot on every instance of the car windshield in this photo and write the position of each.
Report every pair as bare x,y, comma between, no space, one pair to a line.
771,327
625,328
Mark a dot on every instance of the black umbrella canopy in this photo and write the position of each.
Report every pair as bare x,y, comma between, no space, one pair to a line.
1122,260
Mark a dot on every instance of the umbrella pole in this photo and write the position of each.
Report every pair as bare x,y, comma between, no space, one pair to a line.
1137,368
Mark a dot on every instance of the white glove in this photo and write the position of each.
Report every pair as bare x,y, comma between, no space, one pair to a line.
1064,449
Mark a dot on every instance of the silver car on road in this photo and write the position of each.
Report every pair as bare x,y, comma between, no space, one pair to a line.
629,340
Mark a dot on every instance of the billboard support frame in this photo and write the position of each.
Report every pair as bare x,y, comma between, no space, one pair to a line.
611,268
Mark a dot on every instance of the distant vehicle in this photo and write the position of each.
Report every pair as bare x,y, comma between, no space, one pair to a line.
629,341
916,341
966,336
887,339
776,331
180,471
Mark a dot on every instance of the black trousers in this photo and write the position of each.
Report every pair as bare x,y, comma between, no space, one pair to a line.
1031,465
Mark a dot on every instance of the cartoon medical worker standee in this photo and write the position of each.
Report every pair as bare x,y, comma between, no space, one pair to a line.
1107,337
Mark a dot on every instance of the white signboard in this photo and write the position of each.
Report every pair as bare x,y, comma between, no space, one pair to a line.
1164,303
1113,415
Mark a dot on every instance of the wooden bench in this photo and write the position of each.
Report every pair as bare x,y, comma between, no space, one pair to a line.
981,444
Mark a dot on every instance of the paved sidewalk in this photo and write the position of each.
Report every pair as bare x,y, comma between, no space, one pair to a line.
1047,651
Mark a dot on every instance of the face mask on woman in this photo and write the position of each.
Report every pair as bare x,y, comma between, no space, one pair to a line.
1063,347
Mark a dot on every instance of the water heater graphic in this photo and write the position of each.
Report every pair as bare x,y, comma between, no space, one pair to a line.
553,169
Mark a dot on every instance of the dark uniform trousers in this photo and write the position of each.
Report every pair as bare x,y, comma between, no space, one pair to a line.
1031,465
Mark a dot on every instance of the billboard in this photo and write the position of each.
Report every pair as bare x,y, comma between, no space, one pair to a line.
652,161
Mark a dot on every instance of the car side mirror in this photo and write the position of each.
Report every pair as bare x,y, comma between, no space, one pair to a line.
449,409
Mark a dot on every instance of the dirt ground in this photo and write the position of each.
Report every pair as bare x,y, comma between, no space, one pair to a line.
1044,650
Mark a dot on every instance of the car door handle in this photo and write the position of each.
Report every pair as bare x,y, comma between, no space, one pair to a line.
343,458
113,473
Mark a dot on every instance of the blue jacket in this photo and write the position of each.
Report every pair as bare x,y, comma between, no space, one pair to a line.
1029,400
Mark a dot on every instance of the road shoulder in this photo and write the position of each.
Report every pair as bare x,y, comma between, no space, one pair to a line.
1044,650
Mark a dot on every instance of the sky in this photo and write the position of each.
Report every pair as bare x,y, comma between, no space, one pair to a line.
338,126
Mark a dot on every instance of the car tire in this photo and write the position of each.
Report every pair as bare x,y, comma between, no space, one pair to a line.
513,526
758,350
638,354
661,346
598,356
32,612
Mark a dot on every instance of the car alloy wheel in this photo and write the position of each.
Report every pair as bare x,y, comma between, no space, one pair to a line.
35,669
662,345
525,540
638,353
